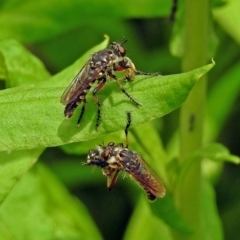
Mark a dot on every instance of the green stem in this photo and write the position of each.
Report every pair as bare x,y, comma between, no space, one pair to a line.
196,21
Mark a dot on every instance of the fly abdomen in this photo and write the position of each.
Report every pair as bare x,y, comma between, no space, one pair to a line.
130,161
70,108
150,196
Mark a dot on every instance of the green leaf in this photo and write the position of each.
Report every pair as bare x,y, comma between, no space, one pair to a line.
226,17
144,225
165,209
210,220
217,152
224,93
22,68
3,73
208,216
33,117
177,45
13,166
39,207
30,21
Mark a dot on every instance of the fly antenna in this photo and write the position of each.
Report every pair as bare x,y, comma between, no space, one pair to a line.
129,120
124,41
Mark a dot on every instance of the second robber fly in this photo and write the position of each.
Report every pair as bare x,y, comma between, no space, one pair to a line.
99,67
114,158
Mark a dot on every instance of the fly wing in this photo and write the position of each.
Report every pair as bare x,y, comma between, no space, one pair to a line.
80,82
144,175
75,86
151,184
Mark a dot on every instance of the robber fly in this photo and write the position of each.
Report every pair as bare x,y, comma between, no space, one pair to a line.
99,67
114,158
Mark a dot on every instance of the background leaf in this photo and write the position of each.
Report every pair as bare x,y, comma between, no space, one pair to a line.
218,152
227,16
207,210
212,227
224,94
143,217
45,18
50,211
22,67
13,166
165,210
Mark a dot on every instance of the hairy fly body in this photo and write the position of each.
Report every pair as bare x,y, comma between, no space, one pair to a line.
100,67
114,158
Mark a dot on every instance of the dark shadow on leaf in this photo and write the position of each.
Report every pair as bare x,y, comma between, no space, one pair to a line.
68,128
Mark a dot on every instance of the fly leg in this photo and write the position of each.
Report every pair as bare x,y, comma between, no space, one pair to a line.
82,111
130,69
124,91
147,74
129,120
112,180
109,172
97,101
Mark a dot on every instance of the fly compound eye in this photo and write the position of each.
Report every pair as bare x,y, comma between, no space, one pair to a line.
122,50
118,49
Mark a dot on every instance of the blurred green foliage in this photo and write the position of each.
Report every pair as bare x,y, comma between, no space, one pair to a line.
42,46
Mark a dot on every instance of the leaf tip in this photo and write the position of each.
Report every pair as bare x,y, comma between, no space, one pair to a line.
213,62
106,37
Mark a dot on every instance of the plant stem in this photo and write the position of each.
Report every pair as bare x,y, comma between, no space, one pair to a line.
195,55
196,21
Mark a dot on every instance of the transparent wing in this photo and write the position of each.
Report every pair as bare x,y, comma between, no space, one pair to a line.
146,177
80,82
75,86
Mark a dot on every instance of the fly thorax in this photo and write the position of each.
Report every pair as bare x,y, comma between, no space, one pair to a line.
112,159
117,60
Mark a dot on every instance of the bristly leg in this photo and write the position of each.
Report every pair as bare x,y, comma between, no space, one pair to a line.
112,180
126,93
97,101
82,112
147,74
129,120
98,113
